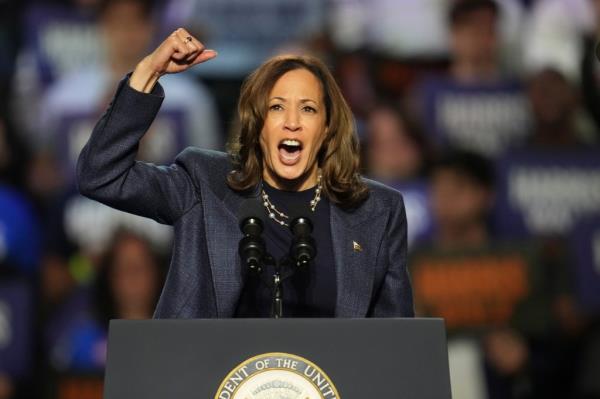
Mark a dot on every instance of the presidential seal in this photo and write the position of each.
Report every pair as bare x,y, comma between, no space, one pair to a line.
277,376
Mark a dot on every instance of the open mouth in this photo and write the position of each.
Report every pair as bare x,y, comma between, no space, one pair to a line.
289,151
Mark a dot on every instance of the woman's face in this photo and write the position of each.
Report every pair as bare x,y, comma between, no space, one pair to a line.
293,131
134,278
392,153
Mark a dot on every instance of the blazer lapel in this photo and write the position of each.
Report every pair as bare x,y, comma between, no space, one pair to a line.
222,236
355,237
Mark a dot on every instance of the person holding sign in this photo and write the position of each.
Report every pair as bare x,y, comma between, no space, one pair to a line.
296,149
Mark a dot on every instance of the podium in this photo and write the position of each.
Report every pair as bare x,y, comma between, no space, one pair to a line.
283,358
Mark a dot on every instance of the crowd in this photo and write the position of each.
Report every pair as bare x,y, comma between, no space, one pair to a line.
484,114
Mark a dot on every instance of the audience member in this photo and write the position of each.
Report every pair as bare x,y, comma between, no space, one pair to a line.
553,101
127,287
187,117
475,107
396,150
590,68
495,295
57,38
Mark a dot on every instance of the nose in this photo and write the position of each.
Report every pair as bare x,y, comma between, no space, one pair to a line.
292,120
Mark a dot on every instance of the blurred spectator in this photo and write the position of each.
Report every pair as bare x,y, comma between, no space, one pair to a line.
396,150
57,38
187,116
552,181
476,106
127,287
20,245
554,103
353,74
590,68
396,153
10,12
14,154
495,296
552,35
462,197
17,321
20,235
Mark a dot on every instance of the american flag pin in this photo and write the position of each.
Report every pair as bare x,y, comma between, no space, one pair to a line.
356,246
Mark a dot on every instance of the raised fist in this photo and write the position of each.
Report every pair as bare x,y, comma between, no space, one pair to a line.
177,53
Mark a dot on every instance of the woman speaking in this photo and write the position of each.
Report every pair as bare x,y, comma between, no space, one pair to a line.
296,149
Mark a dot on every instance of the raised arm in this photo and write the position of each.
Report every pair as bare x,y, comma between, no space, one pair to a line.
107,170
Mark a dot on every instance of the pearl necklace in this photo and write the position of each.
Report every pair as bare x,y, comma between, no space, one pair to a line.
281,217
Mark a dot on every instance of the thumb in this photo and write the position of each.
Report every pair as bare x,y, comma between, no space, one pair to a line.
204,56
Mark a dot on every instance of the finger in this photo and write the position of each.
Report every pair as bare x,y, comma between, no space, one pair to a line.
191,43
204,56
197,43
180,49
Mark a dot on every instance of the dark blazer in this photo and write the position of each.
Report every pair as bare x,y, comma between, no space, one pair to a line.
205,278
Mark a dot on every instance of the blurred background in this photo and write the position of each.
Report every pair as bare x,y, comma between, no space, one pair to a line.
485,115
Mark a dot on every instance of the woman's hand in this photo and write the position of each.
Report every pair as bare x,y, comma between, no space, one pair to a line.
179,52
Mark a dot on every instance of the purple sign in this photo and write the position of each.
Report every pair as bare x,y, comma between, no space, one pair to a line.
546,192
16,338
487,119
585,245
59,39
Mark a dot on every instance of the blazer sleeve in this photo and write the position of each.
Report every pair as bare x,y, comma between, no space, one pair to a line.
395,297
108,172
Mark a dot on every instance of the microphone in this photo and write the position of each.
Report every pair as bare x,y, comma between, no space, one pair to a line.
252,245
303,248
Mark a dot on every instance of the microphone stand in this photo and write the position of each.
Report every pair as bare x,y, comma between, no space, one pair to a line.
277,287
277,308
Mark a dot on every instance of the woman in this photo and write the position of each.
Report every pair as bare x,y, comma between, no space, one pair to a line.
296,147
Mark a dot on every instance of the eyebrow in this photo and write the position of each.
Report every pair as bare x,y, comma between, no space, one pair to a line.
302,100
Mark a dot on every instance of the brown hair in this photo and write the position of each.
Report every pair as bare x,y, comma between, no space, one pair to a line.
338,157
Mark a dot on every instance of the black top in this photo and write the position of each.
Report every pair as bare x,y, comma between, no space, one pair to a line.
309,291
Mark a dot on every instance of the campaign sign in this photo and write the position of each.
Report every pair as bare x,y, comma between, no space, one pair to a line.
164,140
73,386
60,40
546,192
16,338
585,247
487,119
500,285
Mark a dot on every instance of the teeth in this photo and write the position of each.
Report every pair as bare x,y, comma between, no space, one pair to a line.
291,142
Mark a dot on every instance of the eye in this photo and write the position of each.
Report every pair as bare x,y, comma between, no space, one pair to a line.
308,108
275,107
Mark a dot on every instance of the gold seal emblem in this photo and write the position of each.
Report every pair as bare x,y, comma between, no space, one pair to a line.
277,376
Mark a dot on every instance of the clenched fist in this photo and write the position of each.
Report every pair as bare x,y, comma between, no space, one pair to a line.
179,52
